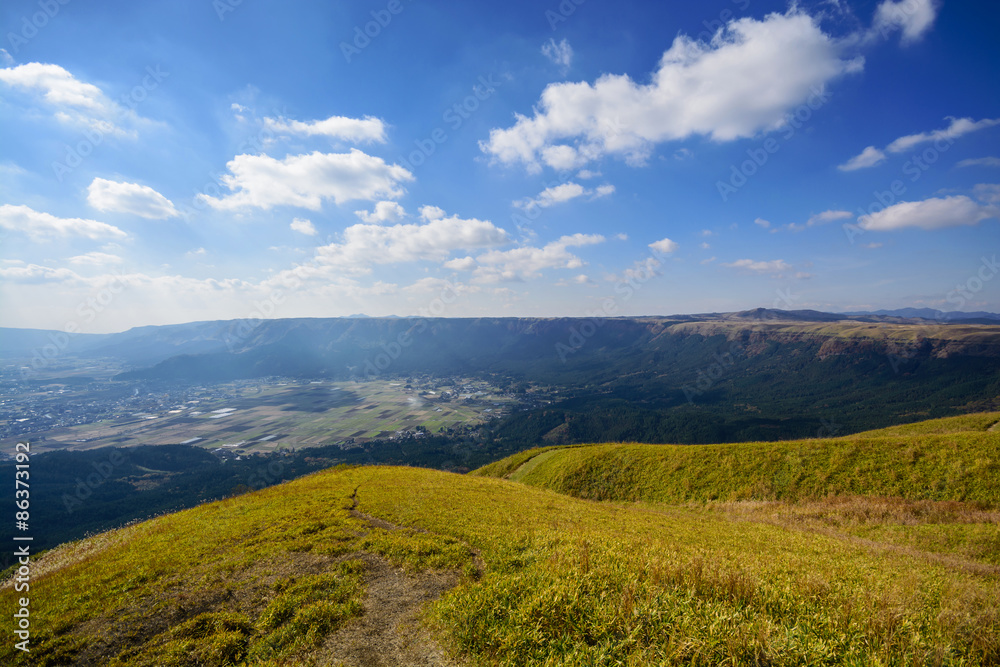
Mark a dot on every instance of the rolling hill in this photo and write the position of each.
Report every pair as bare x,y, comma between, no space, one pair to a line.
395,566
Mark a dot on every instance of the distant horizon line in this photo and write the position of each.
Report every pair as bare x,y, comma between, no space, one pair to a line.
890,312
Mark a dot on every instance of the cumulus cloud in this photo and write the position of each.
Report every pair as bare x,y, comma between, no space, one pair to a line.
308,180
869,157
751,75
561,54
41,226
774,266
564,192
527,262
934,213
913,17
36,274
461,264
761,222
431,212
366,244
384,211
303,226
130,198
56,86
73,101
367,129
96,259
664,246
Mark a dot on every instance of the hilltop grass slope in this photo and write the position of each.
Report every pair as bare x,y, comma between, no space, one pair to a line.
955,458
277,576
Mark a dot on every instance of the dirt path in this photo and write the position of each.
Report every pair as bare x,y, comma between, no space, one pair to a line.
389,632
995,427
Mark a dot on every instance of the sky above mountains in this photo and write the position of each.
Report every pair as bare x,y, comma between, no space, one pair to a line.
224,159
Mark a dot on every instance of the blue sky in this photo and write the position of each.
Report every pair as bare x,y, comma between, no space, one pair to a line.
193,160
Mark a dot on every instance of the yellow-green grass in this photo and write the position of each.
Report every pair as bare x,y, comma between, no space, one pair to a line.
263,579
955,458
569,581
254,579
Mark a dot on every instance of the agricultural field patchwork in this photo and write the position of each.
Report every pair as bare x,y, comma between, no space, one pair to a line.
264,417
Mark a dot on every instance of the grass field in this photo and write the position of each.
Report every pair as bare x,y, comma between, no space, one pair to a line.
278,576
956,458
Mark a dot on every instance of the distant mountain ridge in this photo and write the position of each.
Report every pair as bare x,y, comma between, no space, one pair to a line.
929,314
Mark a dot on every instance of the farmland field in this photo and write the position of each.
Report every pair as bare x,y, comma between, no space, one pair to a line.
265,417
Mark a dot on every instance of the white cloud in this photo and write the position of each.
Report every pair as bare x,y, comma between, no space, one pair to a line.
35,274
934,213
821,219
307,180
914,17
197,252
869,157
460,264
337,127
745,81
561,54
96,259
41,226
957,128
980,162
5,58
664,246
365,244
431,213
564,192
988,192
384,211
528,262
773,266
828,216
587,174
56,86
131,198
303,226
705,245
761,222
74,101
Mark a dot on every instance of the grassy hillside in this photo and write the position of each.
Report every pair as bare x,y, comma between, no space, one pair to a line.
956,458
291,574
